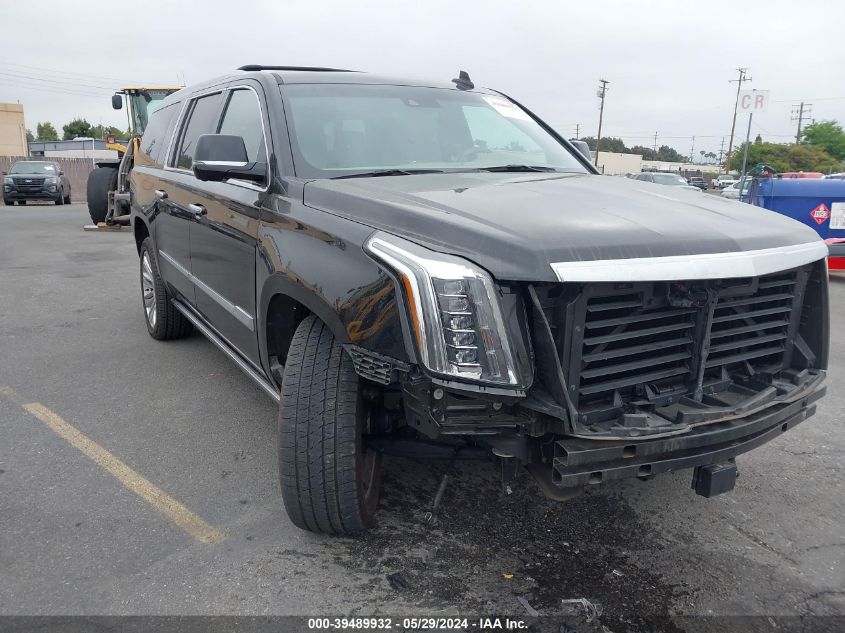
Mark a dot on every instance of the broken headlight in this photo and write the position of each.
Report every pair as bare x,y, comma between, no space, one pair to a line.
454,310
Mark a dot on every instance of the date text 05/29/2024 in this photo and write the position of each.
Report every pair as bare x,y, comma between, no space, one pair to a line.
417,624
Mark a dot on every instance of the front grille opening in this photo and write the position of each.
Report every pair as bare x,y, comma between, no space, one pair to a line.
752,329
632,352
627,344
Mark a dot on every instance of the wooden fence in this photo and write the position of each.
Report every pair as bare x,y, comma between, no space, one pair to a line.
76,169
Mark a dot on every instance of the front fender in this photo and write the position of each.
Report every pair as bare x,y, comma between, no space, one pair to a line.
318,261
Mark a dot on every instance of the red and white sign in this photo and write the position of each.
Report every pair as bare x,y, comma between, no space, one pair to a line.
820,214
753,101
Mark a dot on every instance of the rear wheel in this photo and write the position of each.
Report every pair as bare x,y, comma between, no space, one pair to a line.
163,320
100,182
330,479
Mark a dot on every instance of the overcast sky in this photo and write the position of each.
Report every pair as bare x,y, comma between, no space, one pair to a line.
668,63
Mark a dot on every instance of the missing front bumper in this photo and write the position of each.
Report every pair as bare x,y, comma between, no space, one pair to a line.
579,462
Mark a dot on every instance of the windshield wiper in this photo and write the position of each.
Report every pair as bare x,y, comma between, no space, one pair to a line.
390,172
516,168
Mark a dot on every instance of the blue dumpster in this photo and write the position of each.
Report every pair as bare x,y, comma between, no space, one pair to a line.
818,203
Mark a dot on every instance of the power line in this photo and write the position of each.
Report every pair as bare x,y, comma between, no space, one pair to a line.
55,89
70,74
68,84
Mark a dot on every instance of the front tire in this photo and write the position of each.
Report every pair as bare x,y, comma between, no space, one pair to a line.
61,199
330,479
164,321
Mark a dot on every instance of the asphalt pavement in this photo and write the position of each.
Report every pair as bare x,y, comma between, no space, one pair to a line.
139,477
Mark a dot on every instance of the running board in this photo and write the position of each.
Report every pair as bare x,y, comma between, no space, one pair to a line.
224,347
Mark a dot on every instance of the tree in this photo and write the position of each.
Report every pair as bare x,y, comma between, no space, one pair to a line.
29,136
670,155
758,139
646,152
608,144
46,132
827,135
77,127
783,157
99,131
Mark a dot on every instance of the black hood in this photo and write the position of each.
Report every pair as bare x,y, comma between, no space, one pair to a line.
515,225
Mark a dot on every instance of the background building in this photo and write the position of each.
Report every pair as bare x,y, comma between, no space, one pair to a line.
71,149
12,130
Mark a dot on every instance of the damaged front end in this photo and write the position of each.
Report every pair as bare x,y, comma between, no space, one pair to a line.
587,380
636,378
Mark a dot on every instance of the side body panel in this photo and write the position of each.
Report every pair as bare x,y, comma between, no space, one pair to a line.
318,260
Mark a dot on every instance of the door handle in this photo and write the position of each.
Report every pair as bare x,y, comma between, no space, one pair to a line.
161,194
197,209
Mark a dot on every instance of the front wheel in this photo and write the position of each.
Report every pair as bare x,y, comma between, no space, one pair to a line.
61,199
163,320
330,479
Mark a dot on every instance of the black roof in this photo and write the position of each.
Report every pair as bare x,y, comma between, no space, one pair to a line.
312,75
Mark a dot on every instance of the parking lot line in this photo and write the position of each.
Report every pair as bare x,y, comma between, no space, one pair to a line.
149,492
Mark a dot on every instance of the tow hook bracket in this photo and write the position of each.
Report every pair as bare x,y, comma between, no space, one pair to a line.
712,480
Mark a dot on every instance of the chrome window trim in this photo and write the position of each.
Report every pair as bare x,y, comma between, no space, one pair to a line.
261,110
176,128
232,181
236,311
190,99
688,267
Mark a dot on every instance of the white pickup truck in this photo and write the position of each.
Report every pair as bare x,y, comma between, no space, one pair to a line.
724,180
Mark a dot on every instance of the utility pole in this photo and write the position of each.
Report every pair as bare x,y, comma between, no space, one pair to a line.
721,155
577,131
655,142
739,82
802,112
691,151
602,91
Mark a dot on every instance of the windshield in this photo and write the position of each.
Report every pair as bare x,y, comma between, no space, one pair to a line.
669,179
343,129
33,168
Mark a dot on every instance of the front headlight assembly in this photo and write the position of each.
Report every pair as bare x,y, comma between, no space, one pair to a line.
454,312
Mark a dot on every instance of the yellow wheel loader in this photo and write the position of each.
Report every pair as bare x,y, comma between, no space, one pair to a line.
108,192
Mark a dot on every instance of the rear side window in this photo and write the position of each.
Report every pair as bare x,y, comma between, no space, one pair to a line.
155,136
202,119
243,118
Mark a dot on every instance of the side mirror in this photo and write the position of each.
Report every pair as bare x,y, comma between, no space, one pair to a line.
116,102
219,157
582,147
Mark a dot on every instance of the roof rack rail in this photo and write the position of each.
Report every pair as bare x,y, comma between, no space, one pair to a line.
250,67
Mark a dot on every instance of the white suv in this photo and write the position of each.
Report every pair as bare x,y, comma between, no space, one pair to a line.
725,180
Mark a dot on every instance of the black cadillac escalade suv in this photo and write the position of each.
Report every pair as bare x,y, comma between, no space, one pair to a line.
429,269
